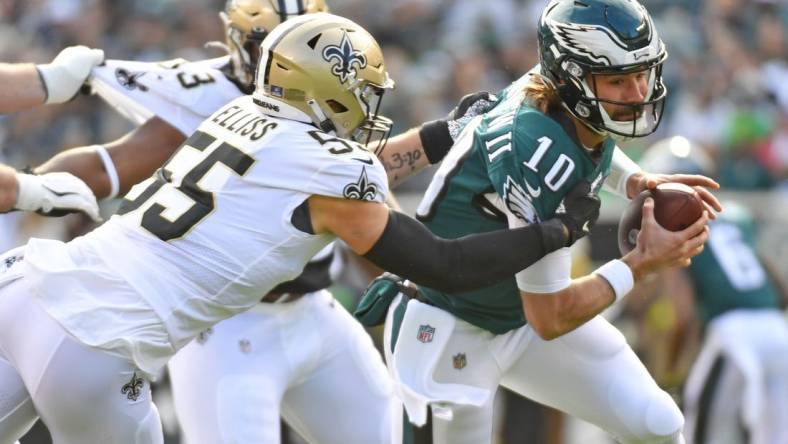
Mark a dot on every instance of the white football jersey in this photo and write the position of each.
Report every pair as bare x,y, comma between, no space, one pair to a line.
206,236
181,93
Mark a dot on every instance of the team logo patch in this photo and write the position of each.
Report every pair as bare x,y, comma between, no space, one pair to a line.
128,79
245,345
345,58
133,388
425,334
203,336
361,190
11,260
459,361
518,201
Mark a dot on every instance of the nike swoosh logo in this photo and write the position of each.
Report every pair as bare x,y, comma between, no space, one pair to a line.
367,161
533,192
586,228
59,193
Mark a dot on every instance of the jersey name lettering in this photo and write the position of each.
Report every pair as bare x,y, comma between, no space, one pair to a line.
247,124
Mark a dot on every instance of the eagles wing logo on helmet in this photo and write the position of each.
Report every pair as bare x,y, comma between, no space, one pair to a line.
346,57
587,41
361,190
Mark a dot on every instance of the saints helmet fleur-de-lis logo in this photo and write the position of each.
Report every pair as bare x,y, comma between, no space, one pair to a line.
133,388
361,190
346,57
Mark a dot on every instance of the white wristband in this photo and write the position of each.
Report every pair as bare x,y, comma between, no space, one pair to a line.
619,276
109,167
621,169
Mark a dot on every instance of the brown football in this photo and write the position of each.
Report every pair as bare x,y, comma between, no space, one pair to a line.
676,206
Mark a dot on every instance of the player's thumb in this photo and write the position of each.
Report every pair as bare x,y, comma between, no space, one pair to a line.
648,210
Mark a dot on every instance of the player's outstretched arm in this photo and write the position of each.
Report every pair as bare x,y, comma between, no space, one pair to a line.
408,153
52,194
26,85
554,313
402,245
110,170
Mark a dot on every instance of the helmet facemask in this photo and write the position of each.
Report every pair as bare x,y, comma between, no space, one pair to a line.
374,131
578,83
244,49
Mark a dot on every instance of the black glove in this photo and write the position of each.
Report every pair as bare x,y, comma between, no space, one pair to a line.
580,211
437,136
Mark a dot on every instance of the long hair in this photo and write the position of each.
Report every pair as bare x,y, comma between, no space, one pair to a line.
541,94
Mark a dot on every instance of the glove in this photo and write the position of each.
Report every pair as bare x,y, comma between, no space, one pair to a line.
63,76
580,212
438,136
55,194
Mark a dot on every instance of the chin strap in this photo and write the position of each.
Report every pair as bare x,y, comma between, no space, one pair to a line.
323,122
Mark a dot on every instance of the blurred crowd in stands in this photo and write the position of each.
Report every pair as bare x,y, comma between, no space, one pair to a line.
727,73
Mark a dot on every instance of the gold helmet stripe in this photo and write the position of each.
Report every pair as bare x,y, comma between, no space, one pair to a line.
279,32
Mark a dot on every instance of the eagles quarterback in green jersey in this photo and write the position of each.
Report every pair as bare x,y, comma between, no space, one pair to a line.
539,333
738,386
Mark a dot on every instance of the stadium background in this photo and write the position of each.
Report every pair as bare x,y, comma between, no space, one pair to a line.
727,75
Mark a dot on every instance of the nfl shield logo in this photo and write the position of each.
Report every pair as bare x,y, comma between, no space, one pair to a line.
425,333
460,361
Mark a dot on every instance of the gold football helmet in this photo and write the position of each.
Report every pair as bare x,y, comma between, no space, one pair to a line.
247,22
331,69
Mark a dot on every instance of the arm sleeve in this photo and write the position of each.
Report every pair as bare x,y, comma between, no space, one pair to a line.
622,167
409,249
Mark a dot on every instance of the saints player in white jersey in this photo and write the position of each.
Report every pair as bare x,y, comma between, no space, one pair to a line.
24,86
269,360
264,183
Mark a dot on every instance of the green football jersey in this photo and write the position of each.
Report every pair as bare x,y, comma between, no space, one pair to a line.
728,274
514,160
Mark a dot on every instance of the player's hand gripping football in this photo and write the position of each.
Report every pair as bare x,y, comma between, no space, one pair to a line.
580,211
55,194
642,181
659,248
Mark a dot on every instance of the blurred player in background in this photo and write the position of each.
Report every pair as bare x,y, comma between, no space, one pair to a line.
601,64
737,390
24,86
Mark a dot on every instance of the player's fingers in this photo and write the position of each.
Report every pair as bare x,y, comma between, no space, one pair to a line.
648,211
695,180
697,227
708,198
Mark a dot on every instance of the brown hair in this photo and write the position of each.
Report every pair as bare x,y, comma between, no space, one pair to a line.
541,94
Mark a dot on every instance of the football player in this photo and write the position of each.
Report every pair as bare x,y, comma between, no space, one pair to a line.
737,390
248,363
538,332
25,86
265,183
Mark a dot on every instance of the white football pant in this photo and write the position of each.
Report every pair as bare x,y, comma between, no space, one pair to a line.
590,373
83,395
737,390
308,361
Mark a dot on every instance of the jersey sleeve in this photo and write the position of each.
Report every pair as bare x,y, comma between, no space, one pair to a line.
181,93
315,163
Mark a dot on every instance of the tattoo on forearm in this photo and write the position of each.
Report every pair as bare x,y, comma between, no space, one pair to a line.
399,161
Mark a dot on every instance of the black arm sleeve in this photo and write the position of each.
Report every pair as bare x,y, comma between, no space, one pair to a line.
408,249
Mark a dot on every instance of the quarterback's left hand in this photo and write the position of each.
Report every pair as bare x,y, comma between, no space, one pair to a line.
642,181
64,75
55,194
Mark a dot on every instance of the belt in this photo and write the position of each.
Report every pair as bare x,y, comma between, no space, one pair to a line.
281,298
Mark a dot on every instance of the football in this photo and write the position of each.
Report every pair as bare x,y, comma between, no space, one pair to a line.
676,206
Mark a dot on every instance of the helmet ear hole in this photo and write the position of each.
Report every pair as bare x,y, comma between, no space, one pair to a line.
336,106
